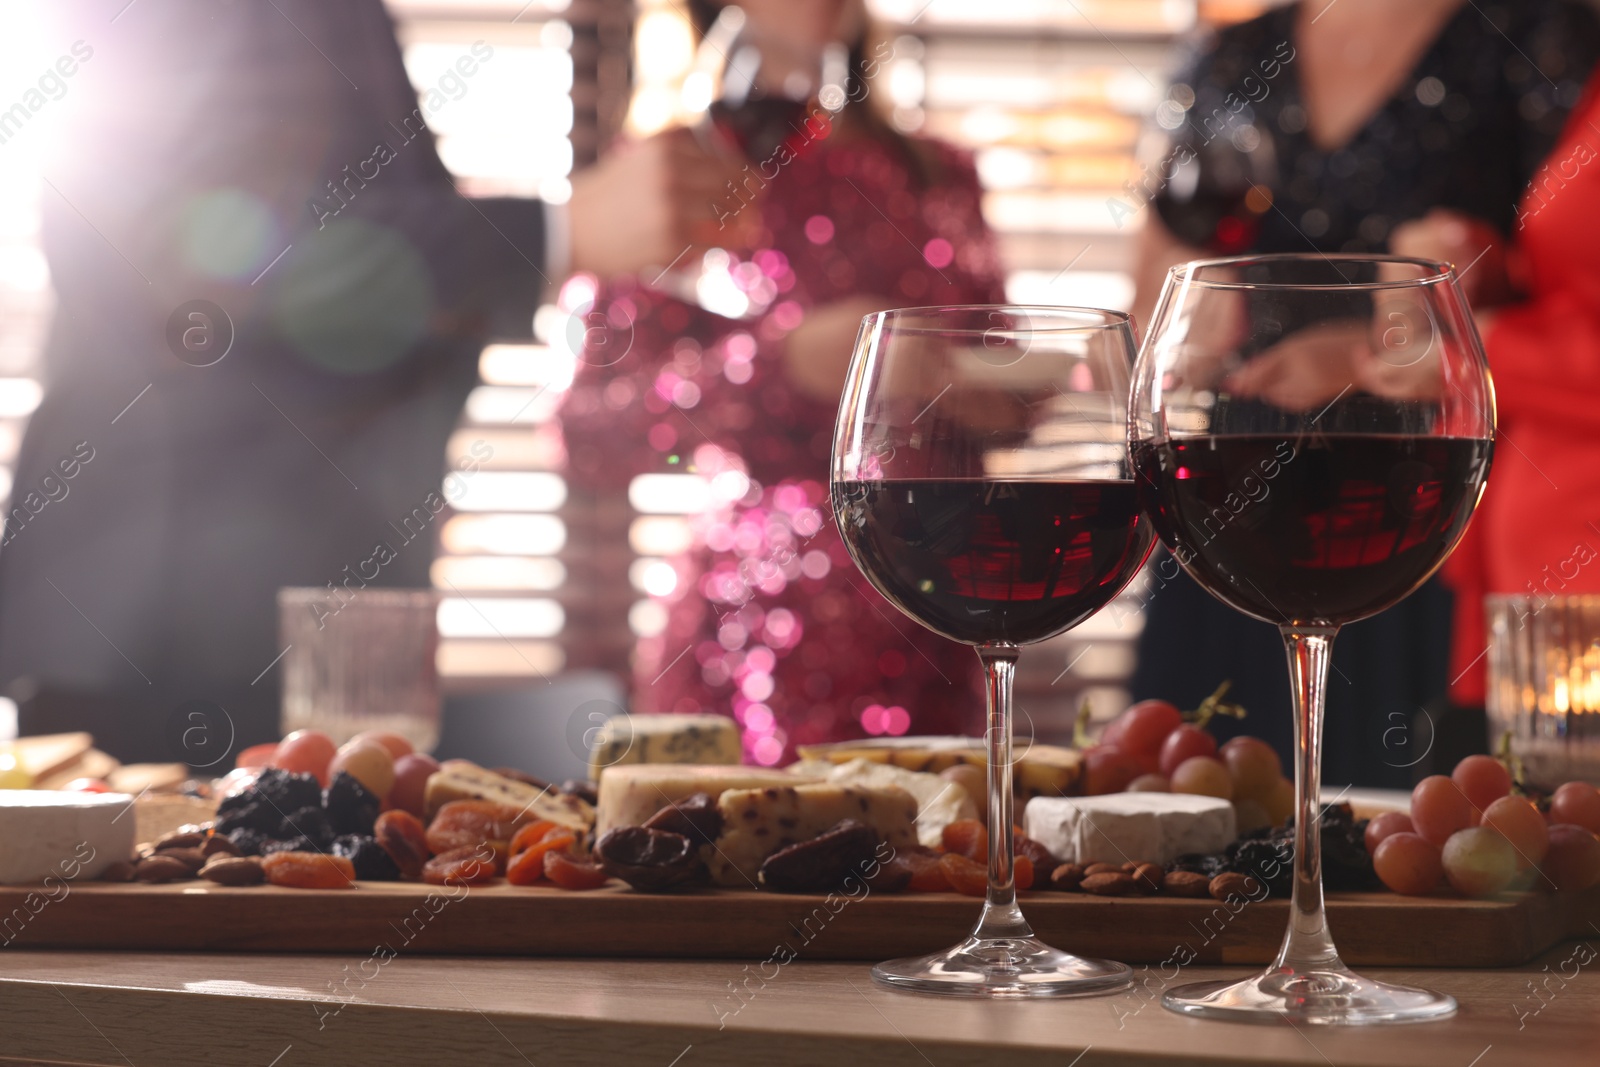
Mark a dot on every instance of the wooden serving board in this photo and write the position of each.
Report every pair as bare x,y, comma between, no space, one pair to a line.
1372,929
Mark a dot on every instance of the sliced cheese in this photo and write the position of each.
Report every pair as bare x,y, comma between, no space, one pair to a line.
758,822
631,793
697,739
1038,770
1119,827
939,802
459,779
66,836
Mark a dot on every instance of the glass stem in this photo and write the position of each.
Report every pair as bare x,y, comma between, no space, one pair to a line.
1308,946
1001,916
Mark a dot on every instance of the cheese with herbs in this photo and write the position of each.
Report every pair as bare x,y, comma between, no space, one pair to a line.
758,822
628,739
630,794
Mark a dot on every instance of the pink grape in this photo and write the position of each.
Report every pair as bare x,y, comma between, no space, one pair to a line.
1439,808
1408,864
1204,776
1381,826
1577,804
1519,822
306,752
1150,783
1483,779
1573,860
1187,740
1479,861
411,774
1254,765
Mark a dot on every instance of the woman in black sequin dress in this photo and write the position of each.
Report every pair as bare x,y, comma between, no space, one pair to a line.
1322,127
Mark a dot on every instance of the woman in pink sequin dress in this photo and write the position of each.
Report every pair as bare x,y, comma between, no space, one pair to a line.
769,619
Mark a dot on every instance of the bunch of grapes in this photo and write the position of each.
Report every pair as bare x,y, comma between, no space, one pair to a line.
1150,748
1471,830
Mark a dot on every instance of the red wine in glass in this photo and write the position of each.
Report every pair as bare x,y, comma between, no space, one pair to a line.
1324,528
980,560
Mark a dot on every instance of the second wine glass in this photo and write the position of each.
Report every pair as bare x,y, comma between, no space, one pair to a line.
981,483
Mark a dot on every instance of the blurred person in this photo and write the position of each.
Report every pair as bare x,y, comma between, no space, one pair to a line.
273,159
1537,531
769,619
1327,127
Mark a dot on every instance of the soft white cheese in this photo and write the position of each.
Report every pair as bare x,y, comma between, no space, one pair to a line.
70,836
1119,827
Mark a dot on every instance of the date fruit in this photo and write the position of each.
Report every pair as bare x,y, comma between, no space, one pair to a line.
822,864
648,859
696,818
403,838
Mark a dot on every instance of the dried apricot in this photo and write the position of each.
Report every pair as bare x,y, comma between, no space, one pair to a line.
471,865
465,823
1022,872
531,834
569,873
966,876
967,837
402,836
527,866
309,870
927,876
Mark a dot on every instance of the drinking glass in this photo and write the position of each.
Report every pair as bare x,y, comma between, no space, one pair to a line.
981,482
1310,435
361,659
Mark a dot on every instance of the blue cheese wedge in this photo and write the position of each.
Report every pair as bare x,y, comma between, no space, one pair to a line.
67,836
700,739
629,795
758,822
1119,827
940,802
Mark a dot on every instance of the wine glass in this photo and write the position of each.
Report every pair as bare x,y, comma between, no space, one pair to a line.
981,482
1310,435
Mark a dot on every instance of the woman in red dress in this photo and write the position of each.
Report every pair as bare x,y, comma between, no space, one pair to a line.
768,619
1537,531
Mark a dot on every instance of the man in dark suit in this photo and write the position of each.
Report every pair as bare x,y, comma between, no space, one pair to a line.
270,158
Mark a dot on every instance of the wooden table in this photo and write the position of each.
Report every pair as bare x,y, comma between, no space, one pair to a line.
296,1011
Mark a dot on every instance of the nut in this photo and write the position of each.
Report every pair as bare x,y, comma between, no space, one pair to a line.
120,871
1067,876
217,844
823,863
180,839
234,870
162,868
193,858
1147,878
647,859
1186,884
1104,868
1108,884
1233,884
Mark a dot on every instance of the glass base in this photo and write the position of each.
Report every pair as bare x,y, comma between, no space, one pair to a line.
1004,967
1323,997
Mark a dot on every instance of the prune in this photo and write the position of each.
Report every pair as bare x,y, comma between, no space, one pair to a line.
696,818
823,863
248,841
352,808
288,844
309,870
1269,861
371,862
310,823
1204,863
278,788
647,858
256,815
